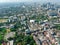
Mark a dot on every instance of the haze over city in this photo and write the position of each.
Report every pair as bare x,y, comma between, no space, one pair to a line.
4,1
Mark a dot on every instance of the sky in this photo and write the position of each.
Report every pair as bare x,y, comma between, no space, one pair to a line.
2,1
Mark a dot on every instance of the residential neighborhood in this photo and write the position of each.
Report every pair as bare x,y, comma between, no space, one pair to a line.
30,24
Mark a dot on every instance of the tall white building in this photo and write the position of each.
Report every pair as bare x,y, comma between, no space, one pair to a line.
10,42
59,11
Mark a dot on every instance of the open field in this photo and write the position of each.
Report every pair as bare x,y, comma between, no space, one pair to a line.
2,20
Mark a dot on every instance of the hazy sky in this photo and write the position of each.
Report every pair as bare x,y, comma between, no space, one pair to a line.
28,0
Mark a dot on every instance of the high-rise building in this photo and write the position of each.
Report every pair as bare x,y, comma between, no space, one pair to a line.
59,11
10,42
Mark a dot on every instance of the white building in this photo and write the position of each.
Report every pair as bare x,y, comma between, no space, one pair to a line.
32,21
10,42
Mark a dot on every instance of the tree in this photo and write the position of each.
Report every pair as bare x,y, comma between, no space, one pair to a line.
1,37
3,30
